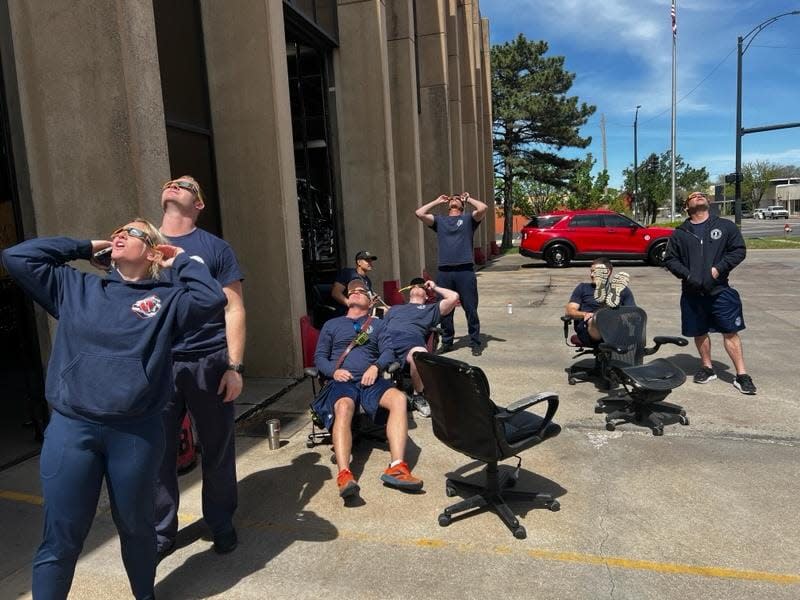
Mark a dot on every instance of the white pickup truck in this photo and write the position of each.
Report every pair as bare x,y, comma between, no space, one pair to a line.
776,212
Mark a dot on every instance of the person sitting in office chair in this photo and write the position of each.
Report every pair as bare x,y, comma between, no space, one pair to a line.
411,323
352,351
603,291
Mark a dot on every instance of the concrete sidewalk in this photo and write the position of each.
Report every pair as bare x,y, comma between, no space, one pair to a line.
709,510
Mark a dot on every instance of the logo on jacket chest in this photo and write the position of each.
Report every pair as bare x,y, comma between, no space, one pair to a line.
147,308
716,234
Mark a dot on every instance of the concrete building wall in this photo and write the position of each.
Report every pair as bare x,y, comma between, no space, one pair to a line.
247,79
366,151
405,134
91,112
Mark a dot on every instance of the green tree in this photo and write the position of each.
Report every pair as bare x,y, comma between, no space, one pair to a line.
533,119
588,191
655,182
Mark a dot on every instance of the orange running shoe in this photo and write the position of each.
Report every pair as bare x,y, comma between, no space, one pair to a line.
400,477
348,486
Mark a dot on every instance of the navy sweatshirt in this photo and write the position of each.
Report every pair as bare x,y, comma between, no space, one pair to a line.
112,357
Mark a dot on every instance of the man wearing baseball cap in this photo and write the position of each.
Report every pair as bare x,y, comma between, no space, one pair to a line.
409,325
363,266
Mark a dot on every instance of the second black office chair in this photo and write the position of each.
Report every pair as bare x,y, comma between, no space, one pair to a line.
466,420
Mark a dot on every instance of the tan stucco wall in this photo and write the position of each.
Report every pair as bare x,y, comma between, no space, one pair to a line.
248,88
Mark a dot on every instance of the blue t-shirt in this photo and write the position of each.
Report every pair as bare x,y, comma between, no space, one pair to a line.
412,319
454,235
218,256
583,295
699,229
336,335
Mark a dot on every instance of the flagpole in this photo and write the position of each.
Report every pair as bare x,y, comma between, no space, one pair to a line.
674,103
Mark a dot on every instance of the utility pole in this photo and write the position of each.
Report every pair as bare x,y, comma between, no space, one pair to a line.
636,159
603,133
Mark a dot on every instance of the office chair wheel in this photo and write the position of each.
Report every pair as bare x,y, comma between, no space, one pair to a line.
658,431
520,533
554,506
309,444
572,380
610,426
445,519
683,419
449,491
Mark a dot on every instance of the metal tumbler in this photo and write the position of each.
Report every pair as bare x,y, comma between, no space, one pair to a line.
274,433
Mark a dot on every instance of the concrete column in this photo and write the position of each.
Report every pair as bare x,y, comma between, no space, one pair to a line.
91,113
365,136
405,133
247,77
454,93
436,148
469,127
486,107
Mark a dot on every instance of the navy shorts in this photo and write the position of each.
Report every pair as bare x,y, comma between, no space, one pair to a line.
721,313
366,397
582,331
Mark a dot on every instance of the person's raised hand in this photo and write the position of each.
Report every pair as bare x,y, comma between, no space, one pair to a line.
167,254
98,245
443,199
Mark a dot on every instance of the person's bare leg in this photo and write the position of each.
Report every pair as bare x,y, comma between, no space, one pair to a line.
342,433
733,346
394,401
594,332
416,380
703,343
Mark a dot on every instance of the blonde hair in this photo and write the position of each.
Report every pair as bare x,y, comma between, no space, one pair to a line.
200,195
156,238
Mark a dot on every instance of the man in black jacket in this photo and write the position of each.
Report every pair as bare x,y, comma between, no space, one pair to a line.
702,252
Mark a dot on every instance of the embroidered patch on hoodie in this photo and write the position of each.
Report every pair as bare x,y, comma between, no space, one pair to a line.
147,308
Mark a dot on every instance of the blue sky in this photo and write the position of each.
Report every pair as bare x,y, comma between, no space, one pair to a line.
621,54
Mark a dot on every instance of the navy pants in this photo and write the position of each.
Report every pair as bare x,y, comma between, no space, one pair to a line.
75,458
196,384
463,281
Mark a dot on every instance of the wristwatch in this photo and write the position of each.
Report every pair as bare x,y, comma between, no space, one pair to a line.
236,367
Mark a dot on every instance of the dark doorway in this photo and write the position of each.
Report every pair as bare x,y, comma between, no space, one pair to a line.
308,57
184,87
23,410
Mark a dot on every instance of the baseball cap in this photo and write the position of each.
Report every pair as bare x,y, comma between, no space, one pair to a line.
365,255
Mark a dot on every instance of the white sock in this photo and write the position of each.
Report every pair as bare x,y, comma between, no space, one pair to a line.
394,463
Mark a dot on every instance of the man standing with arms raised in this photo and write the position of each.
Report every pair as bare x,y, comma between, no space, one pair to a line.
208,372
702,252
454,233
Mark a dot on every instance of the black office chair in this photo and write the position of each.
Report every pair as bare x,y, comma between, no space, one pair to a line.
645,386
581,371
466,420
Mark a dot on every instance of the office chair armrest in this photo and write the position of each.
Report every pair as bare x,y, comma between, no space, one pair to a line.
393,367
567,321
661,340
311,371
528,401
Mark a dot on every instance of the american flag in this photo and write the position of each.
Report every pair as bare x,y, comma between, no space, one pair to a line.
674,20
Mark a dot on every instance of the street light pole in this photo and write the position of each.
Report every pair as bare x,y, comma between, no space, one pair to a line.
635,159
739,130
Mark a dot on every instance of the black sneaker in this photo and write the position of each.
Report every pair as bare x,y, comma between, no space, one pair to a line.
165,551
744,384
420,404
226,542
477,351
704,375
445,347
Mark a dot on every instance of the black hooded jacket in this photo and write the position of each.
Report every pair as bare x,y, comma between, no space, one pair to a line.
690,258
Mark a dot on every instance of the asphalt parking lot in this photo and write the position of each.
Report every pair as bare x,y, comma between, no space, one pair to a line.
706,511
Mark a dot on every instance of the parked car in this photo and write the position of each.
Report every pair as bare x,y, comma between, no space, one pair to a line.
758,213
776,212
560,237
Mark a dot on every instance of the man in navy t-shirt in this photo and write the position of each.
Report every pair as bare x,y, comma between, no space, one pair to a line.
352,351
409,325
207,367
454,233
583,303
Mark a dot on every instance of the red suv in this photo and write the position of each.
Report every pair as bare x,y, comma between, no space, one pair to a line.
563,235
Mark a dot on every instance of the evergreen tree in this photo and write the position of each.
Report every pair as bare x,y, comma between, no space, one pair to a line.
533,119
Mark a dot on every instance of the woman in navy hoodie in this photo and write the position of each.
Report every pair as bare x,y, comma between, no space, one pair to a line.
109,375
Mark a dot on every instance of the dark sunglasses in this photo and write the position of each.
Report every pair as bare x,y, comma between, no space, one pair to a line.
358,291
134,232
184,185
